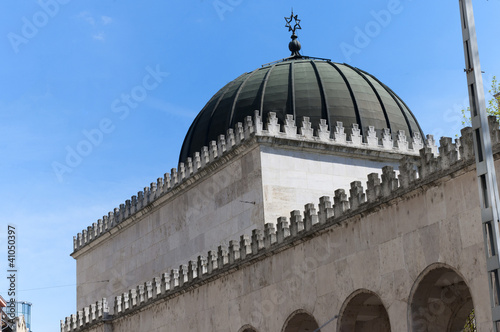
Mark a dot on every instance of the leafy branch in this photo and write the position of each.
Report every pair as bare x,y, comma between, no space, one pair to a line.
492,105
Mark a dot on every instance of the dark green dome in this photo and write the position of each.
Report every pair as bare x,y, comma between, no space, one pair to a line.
314,88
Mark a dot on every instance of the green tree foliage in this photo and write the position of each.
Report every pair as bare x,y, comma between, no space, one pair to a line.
470,324
492,104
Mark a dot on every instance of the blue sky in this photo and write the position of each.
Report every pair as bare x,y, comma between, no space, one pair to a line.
66,65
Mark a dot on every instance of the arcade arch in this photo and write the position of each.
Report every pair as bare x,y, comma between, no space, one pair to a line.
440,300
363,311
247,328
300,321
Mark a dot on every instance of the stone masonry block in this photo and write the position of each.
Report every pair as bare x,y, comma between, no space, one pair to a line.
182,172
325,209
174,278
373,190
249,127
387,142
183,274
306,129
245,246
148,286
296,223
167,183
431,144
356,195
197,161
389,181
417,143
273,126
283,229
356,137
141,294
427,163
448,154
310,216
341,204
257,241
494,129
118,304
371,137
133,297
166,282
222,256
202,264
205,156
407,171
234,251
239,133
212,261
339,135
221,145
323,132
231,140
212,150
402,141
290,127
126,302
157,287
192,270
269,235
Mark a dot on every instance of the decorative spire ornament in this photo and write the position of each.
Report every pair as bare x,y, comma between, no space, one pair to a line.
294,46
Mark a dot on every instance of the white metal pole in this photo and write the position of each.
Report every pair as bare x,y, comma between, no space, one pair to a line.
485,168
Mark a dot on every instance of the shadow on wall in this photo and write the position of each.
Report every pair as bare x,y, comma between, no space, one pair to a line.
440,301
300,321
364,311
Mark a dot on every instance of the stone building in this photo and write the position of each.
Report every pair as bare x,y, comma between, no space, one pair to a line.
388,236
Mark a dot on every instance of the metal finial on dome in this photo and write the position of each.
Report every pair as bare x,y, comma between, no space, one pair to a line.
294,46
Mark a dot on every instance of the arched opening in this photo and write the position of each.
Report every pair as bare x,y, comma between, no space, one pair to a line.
247,328
363,311
441,301
300,321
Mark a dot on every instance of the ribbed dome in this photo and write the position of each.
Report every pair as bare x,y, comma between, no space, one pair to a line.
314,88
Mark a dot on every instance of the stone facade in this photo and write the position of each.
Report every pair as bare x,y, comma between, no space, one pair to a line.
256,175
172,229
404,254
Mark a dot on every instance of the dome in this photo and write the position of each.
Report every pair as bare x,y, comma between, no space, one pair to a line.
302,86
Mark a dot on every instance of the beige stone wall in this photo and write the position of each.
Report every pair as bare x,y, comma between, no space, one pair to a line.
385,250
258,185
292,178
209,212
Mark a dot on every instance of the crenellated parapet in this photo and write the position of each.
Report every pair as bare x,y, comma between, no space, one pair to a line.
299,227
339,135
243,132
88,316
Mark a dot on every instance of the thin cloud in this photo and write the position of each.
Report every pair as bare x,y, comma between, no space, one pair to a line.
106,20
99,36
97,23
86,16
160,105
